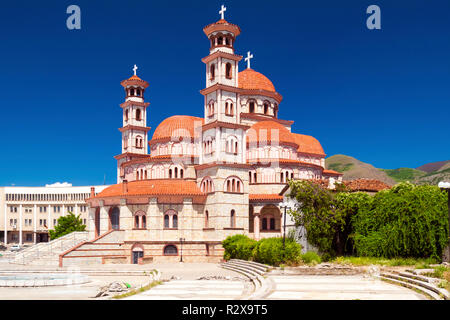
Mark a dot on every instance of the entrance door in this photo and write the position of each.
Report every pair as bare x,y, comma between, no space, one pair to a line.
114,217
137,255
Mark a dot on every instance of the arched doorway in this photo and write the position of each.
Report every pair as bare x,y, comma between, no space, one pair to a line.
97,222
137,251
114,218
270,220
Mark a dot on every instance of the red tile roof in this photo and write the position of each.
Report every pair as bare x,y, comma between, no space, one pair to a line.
262,132
332,173
308,144
176,127
252,80
153,188
265,197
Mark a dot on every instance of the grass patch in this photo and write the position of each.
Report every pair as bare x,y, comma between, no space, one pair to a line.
340,167
366,261
404,174
136,291
439,272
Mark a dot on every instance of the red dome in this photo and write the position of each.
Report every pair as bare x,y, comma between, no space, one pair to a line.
253,80
176,127
271,132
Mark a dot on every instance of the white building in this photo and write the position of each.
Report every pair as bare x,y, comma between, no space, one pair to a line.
27,213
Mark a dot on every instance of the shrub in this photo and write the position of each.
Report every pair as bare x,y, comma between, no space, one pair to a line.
311,257
238,246
270,251
405,221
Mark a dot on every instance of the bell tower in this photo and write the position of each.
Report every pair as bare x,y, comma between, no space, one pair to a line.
134,124
223,135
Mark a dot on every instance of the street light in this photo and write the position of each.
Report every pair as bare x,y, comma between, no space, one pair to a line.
286,205
181,248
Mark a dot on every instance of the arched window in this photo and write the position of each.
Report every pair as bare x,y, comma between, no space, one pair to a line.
181,173
233,184
281,177
220,40
206,185
251,107
266,108
126,115
170,173
138,92
206,219
275,110
212,71
137,175
131,92
272,223
176,173
174,221
136,222
170,219
138,114
144,222
228,70
232,219
138,142
264,224
170,250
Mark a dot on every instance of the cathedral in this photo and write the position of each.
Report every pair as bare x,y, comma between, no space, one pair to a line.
183,189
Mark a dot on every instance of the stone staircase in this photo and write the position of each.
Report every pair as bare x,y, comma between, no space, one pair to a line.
47,253
255,272
424,285
107,245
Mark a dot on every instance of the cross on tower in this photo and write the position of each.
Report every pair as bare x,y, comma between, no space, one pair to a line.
249,56
134,69
222,12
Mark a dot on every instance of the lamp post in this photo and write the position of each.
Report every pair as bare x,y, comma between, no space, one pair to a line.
181,249
284,205
446,186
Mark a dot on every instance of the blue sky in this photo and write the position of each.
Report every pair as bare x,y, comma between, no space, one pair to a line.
382,96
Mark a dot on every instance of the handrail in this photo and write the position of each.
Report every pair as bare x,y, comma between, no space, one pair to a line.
66,241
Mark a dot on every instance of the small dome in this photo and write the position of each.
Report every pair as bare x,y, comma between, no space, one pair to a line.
264,131
308,144
176,127
253,80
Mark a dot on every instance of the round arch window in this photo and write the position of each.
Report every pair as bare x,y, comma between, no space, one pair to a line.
170,250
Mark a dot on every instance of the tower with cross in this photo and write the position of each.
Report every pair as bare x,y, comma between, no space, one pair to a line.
222,12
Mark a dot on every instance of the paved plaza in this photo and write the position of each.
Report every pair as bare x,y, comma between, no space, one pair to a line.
183,283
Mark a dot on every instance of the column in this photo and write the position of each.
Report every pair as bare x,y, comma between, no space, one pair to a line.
6,226
34,224
20,224
256,225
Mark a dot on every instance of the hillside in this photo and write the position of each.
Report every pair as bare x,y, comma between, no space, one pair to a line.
434,166
354,169
430,173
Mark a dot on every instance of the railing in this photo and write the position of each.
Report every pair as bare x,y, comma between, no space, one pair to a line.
44,249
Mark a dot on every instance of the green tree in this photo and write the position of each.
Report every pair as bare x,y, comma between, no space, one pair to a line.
405,221
326,215
67,224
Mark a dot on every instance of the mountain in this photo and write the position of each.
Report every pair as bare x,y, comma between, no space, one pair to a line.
430,173
354,169
434,166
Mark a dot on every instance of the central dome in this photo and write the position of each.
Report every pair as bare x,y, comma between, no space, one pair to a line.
270,131
252,80
176,127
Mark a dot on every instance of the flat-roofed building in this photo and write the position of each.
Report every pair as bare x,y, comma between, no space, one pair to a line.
27,213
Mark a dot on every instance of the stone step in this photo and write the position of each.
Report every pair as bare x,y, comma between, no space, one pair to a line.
429,294
426,285
254,278
257,264
258,270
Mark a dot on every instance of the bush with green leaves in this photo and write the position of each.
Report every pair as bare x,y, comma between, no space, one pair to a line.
326,215
238,246
311,257
270,251
405,221
67,224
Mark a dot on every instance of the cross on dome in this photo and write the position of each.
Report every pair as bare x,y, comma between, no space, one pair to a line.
134,69
222,12
249,56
